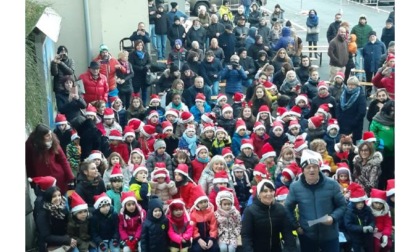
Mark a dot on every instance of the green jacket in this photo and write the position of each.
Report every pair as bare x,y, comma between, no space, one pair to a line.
362,34
387,134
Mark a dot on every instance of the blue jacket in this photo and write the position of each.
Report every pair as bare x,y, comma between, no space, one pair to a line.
353,117
285,39
316,201
171,14
372,54
236,143
104,227
331,141
355,220
233,79
197,114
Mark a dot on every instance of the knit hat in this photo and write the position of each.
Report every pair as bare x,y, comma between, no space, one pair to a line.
291,171
247,143
240,124
310,157
103,47
316,121
200,97
209,117
258,125
294,124
339,75
197,195
166,125
100,200
226,108
154,98
108,113
116,171
61,119
239,165
296,111
324,109
377,195
174,4
390,187
173,112
301,97
177,41
357,194
342,168
281,193
77,203
261,183
369,136
128,131
224,194
190,128
140,168
333,124
221,177
152,114
147,130
74,135
277,125
321,85
136,124
95,154
159,143
220,97
300,144
267,151
238,97
200,148
186,117
44,182
90,110
226,151
372,33
115,135
260,170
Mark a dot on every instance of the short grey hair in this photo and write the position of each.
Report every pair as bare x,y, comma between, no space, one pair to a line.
353,80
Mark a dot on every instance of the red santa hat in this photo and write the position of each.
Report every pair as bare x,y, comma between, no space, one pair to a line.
160,173
301,97
60,119
115,135
140,168
77,203
321,85
268,85
282,112
221,97
281,193
200,97
108,113
148,130
177,204
258,125
95,154
113,99
333,124
130,196
260,170
390,187
267,151
90,110
294,124
167,125
357,194
316,121
240,124
261,183
339,75
44,182
390,56
300,144
207,127
190,127
128,131
291,171
226,108
239,165
135,124
116,171
296,111
277,125
173,112
198,195
209,117
247,143
369,136
200,148
186,117
183,169
152,114
221,177
220,129
377,195
238,97
324,109
101,200
74,135
325,166
227,151
263,109
154,98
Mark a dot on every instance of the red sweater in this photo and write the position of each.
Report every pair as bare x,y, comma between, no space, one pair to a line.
198,168
259,142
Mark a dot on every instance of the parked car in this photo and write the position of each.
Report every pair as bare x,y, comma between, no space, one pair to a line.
234,4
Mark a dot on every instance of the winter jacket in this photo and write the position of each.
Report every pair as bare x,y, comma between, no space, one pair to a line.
333,30
362,34
254,18
71,109
259,142
171,14
388,35
197,169
335,91
318,101
355,220
248,65
79,230
154,233
176,32
212,198
176,234
226,40
145,38
285,39
63,136
206,180
190,94
131,225
372,54
351,119
250,38
165,158
228,225
140,68
88,189
205,224
121,149
199,35
58,71
240,30
104,227
249,162
108,68
234,78
95,89
387,134
162,24
127,76
213,29
316,201
227,124
367,175
261,226
90,138
184,192
210,70
277,142
310,89
142,191
383,221
236,143
177,57
165,191
338,51
116,198
387,82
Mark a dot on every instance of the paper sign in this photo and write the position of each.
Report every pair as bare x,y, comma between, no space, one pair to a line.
319,220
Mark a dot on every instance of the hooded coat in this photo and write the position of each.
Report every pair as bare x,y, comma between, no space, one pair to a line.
154,230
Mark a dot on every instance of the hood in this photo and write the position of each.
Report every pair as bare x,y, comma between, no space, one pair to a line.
353,38
286,31
375,159
252,32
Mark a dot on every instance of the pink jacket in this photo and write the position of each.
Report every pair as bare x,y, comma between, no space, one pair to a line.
175,235
130,226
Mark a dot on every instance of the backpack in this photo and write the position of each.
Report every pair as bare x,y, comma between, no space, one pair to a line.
290,48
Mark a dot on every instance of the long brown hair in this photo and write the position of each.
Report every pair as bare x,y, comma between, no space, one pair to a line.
37,139
264,98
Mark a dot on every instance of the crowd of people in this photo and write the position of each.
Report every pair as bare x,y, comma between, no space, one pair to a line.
279,161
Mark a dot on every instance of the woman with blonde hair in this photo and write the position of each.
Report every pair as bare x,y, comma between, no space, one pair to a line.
216,164
280,58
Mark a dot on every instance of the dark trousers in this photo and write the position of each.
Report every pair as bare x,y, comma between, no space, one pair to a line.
309,245
196,247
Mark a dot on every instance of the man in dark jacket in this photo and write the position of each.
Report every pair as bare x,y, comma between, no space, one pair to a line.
177,31
196,33
302,71
161,28
215,28
240,31
141,34
338,53
60,66
226,40
333,28
248,65
199,87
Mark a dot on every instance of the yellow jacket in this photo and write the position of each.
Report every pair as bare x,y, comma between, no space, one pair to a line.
225,10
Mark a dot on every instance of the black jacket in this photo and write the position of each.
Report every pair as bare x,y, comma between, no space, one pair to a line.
226,40
87,190
70,109
90,138
318,101
154,232
175,33
354,220
199,35
162,24
65,67
104,227
332,30
248,65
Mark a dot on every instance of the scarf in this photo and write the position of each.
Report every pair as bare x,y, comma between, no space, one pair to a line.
57,211
177,107
203,160
354,95
176,91
140,54
292,83
312,21
383,119
125,65
192,142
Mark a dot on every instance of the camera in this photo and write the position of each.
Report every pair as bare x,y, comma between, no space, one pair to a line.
235,64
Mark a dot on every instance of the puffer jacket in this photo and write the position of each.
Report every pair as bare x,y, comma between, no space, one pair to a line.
165,158
310,89
94,89
165,191
205,224
206,180
176,234
131,226
108,69
233,79
154,233
362,34
104,227
228,225
387,82
372,54
355,220
367,175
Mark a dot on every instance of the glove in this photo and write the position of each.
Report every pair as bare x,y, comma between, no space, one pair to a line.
115,242
122,244
384,241
367,229
102,246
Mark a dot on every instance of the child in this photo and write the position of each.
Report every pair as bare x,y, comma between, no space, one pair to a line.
228,157
131,218
136,125
277,137
188,141
116,178
247,116
290,86
343,177
161,184
281,194
228,221
117,106
154,231
332,135
171,141
287,175
324,102
260,172
109,122
73,152
153,119
383,221
295,130
227,121
265,117
298,147
185,185
78,225
129,138
100,161
345,151
248,156
136,109
239,135
140,186
62,130
115,160
182,157
222,140
220,183
302,101
238,98
336,88
310,87
359,220
241,183
180,228
320,146
160,156
104,224
259,138
117,145
220,102
207,135
315,129
136,159
205,223
155,105
172,116
272,91
200,162
287,156
390,194
325,169
186,119
147,139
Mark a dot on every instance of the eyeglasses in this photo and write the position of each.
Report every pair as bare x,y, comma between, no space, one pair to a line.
364,150
282,53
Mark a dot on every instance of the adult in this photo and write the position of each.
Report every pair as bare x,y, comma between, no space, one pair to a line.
303,70
247,6
280,58
367,167
177,56
390,50
216,164
372,52
263,30
125,79
351,109
226,40
312,31
90,135
338,53
277,15
316,196
361,30
203,16
385,77
108,67
248,65
254,16
60,66
196,33
188,75
162,26
140,60
209,70
216,49
44,157
95,84
141,34
69,101
215,28
333,27
168,77
234,75
383,126
388,32
240,31
174,12
262,213
199,87
176,32
152,16
51,222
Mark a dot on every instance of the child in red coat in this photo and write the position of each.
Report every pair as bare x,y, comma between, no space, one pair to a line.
383,221
117,144
147,139
200,162
180,229
259,138
184,184
220,183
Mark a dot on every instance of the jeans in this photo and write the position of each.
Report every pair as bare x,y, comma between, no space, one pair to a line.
309,245
226,247
359,64
161,46
247,11
152,35
215,88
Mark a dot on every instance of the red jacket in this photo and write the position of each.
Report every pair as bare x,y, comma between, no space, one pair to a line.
204,221
57,166
381,81
108,69
130,226
147,146
384,224
259,142
185,192
94,89
198,168
121,148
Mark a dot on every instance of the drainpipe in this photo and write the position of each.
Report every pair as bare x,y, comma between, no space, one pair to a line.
88,31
